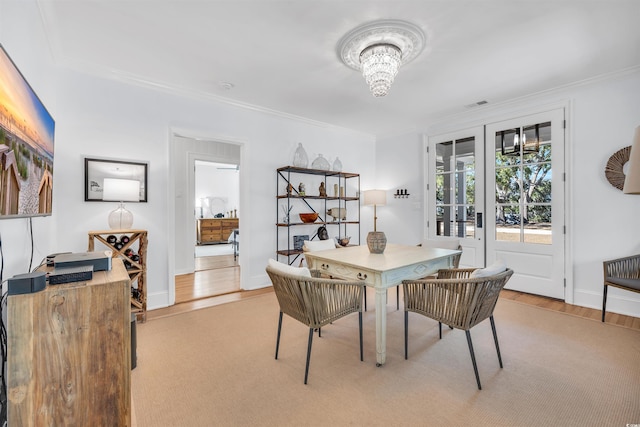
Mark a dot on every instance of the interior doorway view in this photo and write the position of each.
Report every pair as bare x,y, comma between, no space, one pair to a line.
217,196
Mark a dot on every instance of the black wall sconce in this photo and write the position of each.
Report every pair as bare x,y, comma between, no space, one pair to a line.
401,194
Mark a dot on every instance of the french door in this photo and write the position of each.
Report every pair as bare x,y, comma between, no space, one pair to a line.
456,192
525,196
499,188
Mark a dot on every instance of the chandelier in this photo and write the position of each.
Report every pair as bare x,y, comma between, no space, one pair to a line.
378,49
380,64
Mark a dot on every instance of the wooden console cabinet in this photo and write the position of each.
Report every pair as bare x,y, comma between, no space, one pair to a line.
69,353
215,230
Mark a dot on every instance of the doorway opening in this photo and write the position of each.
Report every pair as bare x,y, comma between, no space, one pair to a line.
217,196
207,263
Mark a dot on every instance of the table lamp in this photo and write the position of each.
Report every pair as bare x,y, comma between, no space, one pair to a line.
376,240
121,190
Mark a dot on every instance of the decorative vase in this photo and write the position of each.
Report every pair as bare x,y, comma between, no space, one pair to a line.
376,241
300,158
320,163
337,165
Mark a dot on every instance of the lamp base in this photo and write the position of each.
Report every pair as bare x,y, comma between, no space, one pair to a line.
120,218
376,241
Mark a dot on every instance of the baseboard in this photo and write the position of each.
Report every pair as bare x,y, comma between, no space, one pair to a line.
618,301
157,300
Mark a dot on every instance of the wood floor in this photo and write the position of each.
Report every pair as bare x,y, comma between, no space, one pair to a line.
575,310
226,283
214,275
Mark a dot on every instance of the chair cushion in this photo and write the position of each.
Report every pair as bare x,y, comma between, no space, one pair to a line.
318,245
444,243
289,269
491,270
627,283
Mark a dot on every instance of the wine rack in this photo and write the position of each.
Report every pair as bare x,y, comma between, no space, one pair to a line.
131,247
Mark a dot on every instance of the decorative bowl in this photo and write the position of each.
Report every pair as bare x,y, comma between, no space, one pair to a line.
344,241
308,217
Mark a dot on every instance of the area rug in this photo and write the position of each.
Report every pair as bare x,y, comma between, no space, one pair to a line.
216,367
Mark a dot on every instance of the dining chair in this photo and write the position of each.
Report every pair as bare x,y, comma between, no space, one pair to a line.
322,245
314,301
452,243
623,273
460,298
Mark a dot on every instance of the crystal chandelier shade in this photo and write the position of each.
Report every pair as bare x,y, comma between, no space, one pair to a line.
380,64
377,49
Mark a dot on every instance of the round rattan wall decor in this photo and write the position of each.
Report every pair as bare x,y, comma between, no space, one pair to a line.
613,171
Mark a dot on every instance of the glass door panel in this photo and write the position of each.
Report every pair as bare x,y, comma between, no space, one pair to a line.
454,167
523,184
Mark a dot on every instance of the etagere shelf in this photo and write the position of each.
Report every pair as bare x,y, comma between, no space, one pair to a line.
131,247
342,192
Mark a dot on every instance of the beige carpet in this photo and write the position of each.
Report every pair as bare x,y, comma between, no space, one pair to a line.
216,367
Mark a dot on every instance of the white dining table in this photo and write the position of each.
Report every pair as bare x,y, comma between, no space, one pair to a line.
381,271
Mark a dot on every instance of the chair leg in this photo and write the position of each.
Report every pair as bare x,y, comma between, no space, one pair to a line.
360,326
306,369
365,299
604,301
495,338
278,339
406,334
398,297
319,332
440,329
473,359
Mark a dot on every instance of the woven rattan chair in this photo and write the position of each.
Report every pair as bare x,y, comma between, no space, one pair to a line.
456,300
432,244
315,302
623,273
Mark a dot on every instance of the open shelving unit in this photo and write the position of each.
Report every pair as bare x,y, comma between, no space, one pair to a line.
347,197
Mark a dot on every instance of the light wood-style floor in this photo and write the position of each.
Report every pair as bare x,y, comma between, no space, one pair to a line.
214,275
558,305
232,283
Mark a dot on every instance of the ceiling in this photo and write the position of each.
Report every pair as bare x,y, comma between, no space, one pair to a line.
281,55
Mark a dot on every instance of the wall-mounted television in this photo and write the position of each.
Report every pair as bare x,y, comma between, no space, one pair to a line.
26,146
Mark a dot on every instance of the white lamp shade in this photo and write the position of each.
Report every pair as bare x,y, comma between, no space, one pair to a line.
632,177
375,197
121,190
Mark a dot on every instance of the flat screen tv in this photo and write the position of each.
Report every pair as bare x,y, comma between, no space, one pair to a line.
26,146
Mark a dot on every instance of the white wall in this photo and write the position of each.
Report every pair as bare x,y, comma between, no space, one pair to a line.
96,120
19,21
106,118
101,118
220,189
400,166
603,223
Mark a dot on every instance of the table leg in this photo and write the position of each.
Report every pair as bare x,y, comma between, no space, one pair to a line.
381,326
